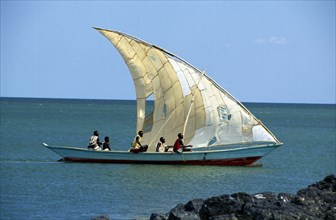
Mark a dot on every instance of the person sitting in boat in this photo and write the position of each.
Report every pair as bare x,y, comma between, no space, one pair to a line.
161,146
179,146
136,144
94,141
106,144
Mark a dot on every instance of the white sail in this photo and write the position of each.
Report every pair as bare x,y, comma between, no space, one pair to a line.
185,99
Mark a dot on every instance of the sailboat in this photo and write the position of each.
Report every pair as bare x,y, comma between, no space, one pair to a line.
221,130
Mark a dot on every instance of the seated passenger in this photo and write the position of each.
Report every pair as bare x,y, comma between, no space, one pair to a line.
94,141
136,144
179,146
161,146
106,144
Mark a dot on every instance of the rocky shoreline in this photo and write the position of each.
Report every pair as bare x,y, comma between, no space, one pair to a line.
317,201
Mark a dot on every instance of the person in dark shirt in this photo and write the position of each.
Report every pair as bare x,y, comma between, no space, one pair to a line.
106,144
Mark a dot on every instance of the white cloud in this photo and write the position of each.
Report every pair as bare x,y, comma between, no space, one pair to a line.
272,40
277,40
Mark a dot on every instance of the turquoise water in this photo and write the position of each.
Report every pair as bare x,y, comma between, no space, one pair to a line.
35,186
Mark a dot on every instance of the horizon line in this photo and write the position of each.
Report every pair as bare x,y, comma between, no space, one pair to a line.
256,102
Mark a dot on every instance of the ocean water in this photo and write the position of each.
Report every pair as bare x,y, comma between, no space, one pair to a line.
33,185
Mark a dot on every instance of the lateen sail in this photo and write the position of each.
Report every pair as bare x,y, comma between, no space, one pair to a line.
185,99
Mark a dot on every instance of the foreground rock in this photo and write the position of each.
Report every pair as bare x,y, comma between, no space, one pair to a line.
317,201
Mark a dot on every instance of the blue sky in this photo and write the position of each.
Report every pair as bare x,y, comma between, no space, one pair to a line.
260,51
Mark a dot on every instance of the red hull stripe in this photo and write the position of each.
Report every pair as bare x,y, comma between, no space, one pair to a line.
222,162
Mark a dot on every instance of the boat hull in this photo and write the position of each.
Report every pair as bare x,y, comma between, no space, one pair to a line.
225,157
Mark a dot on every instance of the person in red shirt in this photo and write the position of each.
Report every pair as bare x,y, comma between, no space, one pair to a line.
179,146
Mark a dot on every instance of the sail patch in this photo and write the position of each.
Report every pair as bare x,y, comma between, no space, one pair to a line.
202,136
223,113
260,134
183,81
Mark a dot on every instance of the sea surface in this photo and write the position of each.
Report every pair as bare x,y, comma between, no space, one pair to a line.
34,185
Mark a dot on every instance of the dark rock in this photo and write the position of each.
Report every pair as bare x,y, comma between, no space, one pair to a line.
330,179
180,213
317,201
263,206
242,197
265,199
155,216
102,217
285,197
220,205
224,217
194,205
